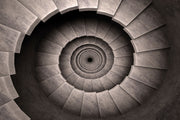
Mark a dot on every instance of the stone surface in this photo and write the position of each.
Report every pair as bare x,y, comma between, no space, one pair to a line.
16,16
120,70
79,83
153,59
4,63
124,51
123,61
114,77
88,85
88,5
43,9
106,82
97,86
147,21
108,7
66,5
12,69
90,25
129,10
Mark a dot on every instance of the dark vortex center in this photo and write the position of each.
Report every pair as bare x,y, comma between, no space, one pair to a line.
90,59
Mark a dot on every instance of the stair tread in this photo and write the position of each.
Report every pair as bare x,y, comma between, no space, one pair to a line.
123,101
88,5
73,78
74,102
43,9
12,69
60,95
153,59
79,83
151,77
123,61
106,82
91,25
106,105
123,51
137,90
108,7
120,70
88,85
11,10
114,77
4,63
151,41
97,86
129,10
66,5
147,21
90,106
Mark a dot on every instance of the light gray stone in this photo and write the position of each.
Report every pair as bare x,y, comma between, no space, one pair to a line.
108,7
123,61
74,102
43,9
129,9
90,106
97,85
106,82
123,101
79,83
137,90
16,16
4,63
148,76
120,70
72,78
91,25
151,41
106,105
114,77
123,52
88,5
66,5
12,69
153,59
88,85
147,21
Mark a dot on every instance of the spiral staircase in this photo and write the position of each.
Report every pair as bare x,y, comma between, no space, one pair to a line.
87,60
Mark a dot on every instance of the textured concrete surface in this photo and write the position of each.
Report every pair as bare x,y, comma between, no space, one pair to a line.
88,5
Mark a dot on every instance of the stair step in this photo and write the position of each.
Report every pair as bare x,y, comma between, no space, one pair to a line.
129,10
74,102
120,70
123,61
60,95
148,76
72,78
49,47
51,84
88,85
91,25
78,25
11,111
106,82
26,21
153,59
114,77
121,41
97,86
106,105
147,21
45,72
137,90
79,83
43,9
46,59
9,39
123,51
114,32
151,41
4,63
90,106
65,6
7,87
4,99
108,7
123,101
88,5
11,63
102,27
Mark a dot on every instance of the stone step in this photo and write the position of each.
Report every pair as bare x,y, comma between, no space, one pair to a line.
4,63
4,99
65,6
12,69
129,10
73,78
122,99
123,61
123,51
137,90
13,14
49,47
90,106
74,102
10,39
51,84
148,76
45,72
151,41
79,83
60,95
106,82
108,7
147,21
43,9
97,86
46,59
120,70
7,87
91,23
106,105
11,111
88,5
88,85
153,59
114,77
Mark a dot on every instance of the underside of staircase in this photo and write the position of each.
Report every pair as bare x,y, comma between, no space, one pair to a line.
89,60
